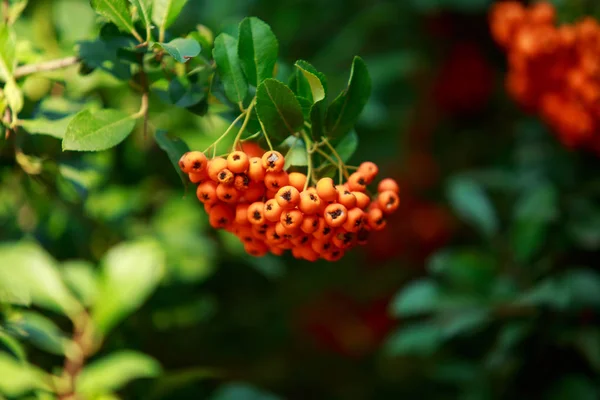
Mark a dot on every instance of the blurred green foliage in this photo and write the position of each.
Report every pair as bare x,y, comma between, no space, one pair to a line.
484,286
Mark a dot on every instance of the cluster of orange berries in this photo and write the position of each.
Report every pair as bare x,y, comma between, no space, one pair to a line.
269,209
553,70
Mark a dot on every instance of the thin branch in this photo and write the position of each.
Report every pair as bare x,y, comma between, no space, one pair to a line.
75,361
248,112
45,66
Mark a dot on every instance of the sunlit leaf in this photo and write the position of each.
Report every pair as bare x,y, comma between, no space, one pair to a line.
130,273
81,278
181,49
258,49
98,131
43,126
114,371
12,345
116,11
18,377
7,52
144,9
165,12
316,80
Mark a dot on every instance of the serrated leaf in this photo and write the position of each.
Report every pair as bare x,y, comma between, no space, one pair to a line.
165,12
114,371
43,126
40,331
225,53
115,11
29,268
99,131
472,204
7,52
345,110
18,377
278,109
316,80
14,96
416,298
81,278
258,49
175,148
181,49
144,8
130,273
347,146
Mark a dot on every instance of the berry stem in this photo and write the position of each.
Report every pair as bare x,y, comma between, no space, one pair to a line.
309,173
336,154
266,135
216,142
248,112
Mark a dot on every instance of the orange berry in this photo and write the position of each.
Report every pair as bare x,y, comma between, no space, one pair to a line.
310,202
227,194
237,162
326,190
388,184
376,219
273,161
197,177
225,176
288,197
301,239
273,238
362,236
357,182
321,246
272,210
362,200
285,245
241,214
277,251
270,194
309,254
244,233
388,201
276,180
291,219
369,170
310,223
241,182
255,192
220,216
256,214
192,161
542,13
343,240
285,233
256,172
333,255
297,252
207,192
260,230
356,220
215,166
297,180
324,231
256,249
335,215
346,197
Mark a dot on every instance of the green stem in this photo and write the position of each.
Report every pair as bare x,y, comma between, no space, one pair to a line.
266,135
248,112
309,173
336,154
216,142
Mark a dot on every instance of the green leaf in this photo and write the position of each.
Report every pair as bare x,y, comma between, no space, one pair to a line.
14,96
466,320
416,298
241,391
299,85
18,377
114,371
43,126
305,105
258,49
40,331
8,58
181,49
30,269
470,270
347,146
12,345
130,273
16,9
115,11
417,339
144,8
345,110
165,12
278,109
175,148
316,80
472,204
229,67
81,278
294,150
99,131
